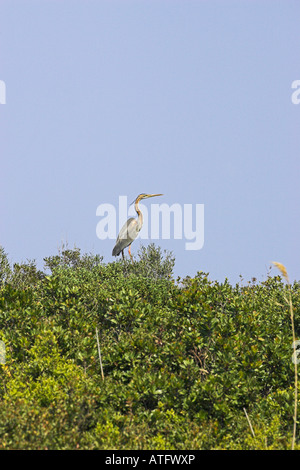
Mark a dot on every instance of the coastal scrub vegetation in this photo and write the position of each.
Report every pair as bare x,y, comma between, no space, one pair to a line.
123,356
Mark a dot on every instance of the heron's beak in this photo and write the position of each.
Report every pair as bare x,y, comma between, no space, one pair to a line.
145,196
153,195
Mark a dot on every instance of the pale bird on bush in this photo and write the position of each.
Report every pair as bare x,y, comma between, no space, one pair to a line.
131,228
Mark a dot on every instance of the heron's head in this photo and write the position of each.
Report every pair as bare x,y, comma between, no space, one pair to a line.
145,196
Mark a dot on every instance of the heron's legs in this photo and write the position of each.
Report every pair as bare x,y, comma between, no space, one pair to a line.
123,254
129,251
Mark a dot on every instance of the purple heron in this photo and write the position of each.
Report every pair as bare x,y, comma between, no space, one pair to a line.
131,228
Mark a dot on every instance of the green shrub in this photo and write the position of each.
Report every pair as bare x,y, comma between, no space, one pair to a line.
184,363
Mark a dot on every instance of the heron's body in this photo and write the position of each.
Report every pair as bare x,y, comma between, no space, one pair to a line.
127,234
130,229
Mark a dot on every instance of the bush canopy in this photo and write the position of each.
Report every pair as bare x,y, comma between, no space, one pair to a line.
185,364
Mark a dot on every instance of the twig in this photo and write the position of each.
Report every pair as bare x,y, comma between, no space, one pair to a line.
283,271
99,353
296,371
249,422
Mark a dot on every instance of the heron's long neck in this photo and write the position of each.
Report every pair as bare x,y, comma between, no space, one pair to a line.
140,215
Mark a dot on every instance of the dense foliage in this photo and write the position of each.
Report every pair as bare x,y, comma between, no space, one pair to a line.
186,365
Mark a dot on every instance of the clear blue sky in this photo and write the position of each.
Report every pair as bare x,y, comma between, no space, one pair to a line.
187,98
